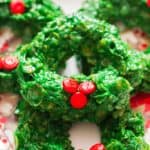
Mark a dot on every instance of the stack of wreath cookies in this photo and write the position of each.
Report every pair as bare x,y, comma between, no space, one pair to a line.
112,72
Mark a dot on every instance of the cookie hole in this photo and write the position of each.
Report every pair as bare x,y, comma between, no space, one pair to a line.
83,135
71,67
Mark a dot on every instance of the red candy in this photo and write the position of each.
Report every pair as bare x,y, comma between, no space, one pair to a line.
143,46
4,140
140,98
70,85
2,126
137,31
148,3
147,125
78,100
3,120
147,106
17,7
9,63
98,147
4,47
143,34
1,64
87,87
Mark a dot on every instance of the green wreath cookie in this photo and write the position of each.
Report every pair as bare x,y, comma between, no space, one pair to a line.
24,19
131,13
27,17
126,12
102,97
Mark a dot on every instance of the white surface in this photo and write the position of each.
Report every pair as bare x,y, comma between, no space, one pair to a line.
83,135
69,6
147,136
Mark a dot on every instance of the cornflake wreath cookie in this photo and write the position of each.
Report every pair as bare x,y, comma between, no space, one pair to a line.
20,22
127,13
131,13
52,103
27,17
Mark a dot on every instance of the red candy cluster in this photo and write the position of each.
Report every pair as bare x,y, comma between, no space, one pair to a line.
17,7
8,63
98,146
79,92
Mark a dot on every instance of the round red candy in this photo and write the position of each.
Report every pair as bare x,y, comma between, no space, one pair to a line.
98,147
143,46
10,63
1,64
4,47
148,3
78,100
17,7
70,85
136,31
87,87
147,124
4,140
2,126
139,99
